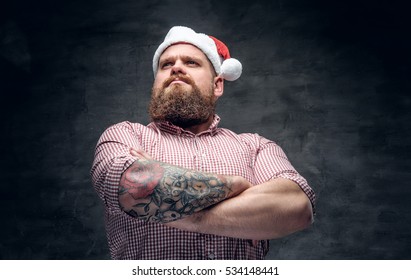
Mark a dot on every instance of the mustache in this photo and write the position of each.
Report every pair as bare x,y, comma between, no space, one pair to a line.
180,77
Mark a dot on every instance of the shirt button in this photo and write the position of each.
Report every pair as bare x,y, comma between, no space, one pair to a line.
211,256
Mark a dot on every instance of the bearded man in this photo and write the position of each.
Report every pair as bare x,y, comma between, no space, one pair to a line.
184,188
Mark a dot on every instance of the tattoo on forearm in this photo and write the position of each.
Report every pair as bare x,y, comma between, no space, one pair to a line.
164,193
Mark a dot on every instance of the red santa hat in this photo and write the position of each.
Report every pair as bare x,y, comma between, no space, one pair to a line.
217,52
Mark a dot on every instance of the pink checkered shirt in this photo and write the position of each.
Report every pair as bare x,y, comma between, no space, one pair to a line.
216,150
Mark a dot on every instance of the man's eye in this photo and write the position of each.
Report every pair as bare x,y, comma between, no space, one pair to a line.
191,62
166,64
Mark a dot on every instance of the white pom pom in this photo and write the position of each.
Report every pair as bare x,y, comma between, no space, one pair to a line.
231,69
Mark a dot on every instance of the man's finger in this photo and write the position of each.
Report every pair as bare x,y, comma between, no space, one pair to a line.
134,152
140,153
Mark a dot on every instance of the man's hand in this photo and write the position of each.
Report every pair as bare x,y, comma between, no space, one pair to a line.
141,154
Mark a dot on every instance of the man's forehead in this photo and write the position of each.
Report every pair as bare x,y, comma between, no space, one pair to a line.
183,48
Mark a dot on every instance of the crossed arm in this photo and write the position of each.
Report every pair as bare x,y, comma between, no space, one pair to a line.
181,198
160,192
271,210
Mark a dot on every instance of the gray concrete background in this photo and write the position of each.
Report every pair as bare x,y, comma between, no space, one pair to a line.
329,82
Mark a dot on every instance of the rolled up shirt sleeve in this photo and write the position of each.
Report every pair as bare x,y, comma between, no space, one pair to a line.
271,162
112,157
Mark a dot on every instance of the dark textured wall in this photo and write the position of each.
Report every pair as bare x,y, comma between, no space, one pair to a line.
329,82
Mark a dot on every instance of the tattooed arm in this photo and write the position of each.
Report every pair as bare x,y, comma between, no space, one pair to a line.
160,192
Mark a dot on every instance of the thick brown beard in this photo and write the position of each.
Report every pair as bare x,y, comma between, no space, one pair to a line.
181,105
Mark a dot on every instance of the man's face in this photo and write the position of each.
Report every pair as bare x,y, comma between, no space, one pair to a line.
185,88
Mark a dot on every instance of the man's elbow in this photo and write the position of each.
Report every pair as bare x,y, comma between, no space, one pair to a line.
306,216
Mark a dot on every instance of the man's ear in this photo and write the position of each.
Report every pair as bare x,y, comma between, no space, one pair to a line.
218,86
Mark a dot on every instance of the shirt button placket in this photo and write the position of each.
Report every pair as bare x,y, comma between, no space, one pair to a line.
198,153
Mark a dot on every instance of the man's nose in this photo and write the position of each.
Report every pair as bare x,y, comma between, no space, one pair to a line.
178,68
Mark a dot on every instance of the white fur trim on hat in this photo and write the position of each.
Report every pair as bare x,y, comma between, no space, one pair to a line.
230,69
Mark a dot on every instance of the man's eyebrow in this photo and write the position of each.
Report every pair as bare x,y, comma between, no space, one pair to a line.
190,57
183,57
167,58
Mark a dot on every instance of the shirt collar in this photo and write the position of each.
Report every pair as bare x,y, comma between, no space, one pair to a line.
173,129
